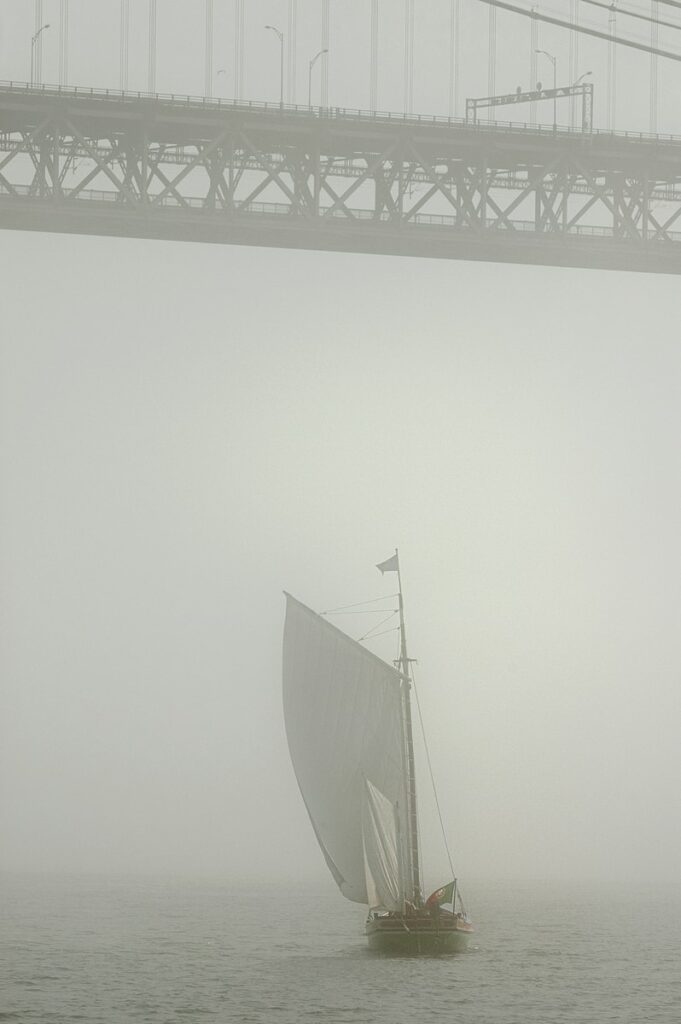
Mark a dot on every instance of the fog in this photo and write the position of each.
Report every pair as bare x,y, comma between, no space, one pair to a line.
189,430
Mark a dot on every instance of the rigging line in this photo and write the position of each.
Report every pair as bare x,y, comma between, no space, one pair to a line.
432,777
437,801
360,604
632,14
562,23
372,632
367,611
384,632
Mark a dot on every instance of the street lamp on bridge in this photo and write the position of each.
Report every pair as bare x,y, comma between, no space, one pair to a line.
582,77
34,39
281,41
553,61
309,81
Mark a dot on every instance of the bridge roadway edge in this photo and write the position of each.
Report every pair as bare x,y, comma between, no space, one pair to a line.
605,254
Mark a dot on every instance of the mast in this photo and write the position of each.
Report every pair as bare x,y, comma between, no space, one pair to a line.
412,820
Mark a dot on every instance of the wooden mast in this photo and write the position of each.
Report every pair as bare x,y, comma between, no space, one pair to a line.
412,820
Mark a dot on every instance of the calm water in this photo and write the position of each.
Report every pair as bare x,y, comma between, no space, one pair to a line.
118,950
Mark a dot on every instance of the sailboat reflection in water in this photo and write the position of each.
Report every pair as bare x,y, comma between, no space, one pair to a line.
349,729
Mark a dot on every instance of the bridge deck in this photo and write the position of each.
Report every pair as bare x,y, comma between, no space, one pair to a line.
185,168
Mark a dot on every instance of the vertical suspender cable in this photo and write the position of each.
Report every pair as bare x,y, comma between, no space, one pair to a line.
577,35
492,57
534,44
237,5
373,72
64,42
572,60
208,87
654,38
38,46
405,102
409,56
238,49
242,48
125,36
292,50
612,71
326,33
152,45
608,79
454,55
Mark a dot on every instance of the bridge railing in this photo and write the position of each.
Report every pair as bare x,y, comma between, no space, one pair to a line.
344,113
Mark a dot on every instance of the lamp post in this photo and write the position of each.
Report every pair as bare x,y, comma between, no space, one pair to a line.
281,41
34,40
309,83
584,101
553,61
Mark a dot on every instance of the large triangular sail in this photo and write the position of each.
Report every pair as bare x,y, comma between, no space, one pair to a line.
344,713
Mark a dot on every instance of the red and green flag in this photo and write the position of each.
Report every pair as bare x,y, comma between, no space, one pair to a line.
440,896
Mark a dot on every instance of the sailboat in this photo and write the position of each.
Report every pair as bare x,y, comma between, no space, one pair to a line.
349,728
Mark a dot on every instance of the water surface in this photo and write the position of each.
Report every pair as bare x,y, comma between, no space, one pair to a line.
120,950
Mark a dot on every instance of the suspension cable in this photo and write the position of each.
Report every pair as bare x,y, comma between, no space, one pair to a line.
634,14
563,23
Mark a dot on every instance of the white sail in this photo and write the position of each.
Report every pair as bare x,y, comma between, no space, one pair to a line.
382,859
344,723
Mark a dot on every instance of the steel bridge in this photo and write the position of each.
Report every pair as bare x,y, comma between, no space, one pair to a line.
190,169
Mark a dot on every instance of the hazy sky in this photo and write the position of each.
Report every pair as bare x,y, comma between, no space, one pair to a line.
187,430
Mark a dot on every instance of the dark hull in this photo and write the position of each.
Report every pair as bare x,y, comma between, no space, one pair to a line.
413,936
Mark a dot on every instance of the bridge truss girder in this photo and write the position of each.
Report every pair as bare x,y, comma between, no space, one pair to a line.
173,168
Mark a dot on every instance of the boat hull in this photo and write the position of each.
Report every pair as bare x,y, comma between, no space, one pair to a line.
417,936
